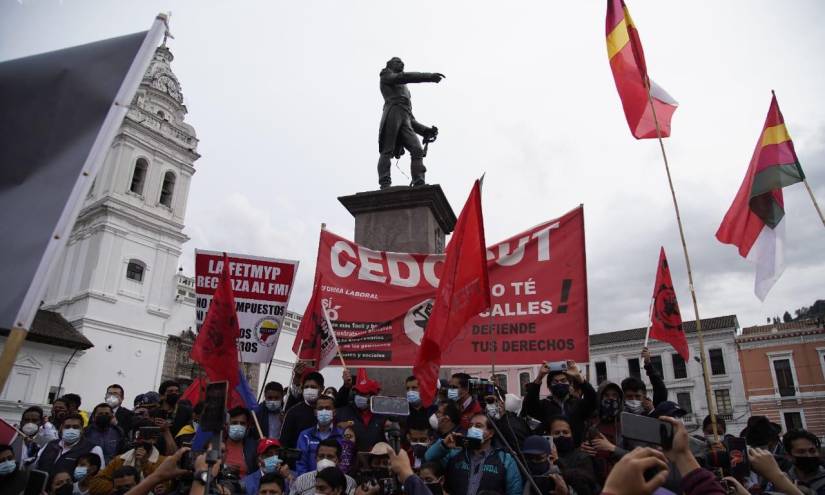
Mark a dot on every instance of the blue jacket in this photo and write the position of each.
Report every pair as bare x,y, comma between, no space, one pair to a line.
501,474
308,442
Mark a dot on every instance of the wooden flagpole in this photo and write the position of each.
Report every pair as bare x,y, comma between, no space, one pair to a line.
649,320
11,347
708,393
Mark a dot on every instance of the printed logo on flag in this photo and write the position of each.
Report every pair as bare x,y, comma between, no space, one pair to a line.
266,331
415,321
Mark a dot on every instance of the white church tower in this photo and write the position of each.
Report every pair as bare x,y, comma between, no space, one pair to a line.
119,284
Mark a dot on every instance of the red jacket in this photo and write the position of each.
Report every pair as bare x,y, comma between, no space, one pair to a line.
467,414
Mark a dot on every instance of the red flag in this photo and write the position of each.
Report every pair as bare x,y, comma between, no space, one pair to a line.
665,318
464,291
215,347
627,62
195,392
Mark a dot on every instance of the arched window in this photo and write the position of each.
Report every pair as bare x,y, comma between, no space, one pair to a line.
523,380
135,270
167,189
139,176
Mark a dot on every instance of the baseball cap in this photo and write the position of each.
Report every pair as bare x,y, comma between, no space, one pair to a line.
266,443
668,408
535,444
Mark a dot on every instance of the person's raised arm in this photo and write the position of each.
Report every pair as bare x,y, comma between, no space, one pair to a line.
531,406
628,475
659,388
166,471
695,480
764,464
342,395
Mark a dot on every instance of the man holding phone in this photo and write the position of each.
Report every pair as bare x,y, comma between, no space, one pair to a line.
560,403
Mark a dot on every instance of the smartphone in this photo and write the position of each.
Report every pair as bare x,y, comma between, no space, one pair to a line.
390,406
214,410
556,366
36,485
740,466
148,432
549,439
647,430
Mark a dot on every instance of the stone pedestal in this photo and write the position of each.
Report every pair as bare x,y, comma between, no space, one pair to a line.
406,220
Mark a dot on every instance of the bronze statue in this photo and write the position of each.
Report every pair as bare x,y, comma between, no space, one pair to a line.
398,125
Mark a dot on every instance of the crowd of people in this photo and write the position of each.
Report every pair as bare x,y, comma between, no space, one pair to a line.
304,438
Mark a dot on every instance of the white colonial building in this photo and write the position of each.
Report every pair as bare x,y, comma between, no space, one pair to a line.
118,284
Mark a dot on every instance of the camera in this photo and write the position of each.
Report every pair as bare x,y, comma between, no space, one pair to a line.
288,455
381,478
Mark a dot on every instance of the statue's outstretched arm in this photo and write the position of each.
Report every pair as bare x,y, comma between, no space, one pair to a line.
389,77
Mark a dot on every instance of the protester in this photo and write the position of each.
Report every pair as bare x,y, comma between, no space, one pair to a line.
61,483
413,393
802,449
270,412
241,442
37,432
12,478
271,484
269,463
73,402
328,455
369,427
301,415
568,456
62,454
87,468
124,479
311,438
446,420
513,428
477,466
560,402
459,392
101,432
59,411
115,396
144,456
545,475
416,440
432,474
330,481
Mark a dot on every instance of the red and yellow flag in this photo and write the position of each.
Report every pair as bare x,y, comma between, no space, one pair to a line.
754,222
627,61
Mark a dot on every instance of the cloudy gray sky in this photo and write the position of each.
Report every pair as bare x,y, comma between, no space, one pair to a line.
284,98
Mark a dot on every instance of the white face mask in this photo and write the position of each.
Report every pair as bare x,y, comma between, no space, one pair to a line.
29,429
310,394
434,421
113,401
633,406
325,463
493,411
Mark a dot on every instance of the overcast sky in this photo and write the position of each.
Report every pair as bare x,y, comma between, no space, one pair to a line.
284,98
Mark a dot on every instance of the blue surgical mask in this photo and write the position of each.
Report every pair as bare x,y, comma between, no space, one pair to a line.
71,435
452,393
7,467
273,405
237,432
271,464
413,397
324,416
80,472
361,402
476,433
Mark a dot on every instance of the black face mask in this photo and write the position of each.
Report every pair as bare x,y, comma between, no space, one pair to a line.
435,488
609,408
102,421
564,445
807,465
172,399
538,468
560,390
66,489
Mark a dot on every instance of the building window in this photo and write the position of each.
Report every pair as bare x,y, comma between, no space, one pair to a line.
601,372
717,362
633,368
793,421
683,399
501,381
723,404
523,380
167,189
134,270
679,368
784,377
656,362
139,176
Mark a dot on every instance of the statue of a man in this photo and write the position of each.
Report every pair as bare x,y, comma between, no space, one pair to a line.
398,126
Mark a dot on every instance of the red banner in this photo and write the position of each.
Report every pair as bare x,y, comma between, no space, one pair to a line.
379,302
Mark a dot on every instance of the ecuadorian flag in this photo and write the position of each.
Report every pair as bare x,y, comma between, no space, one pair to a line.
755,221
627,61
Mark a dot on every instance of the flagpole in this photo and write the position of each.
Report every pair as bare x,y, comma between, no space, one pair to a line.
813,198
711,406
649,321
334,338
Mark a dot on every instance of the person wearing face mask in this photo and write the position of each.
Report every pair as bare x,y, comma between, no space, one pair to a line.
12,479
414,400
416,440
560,402
301,416
446,420
268,462
802,449
568,456
310,439
432,474
61,483
123,416
270,412
241,444
178,412
37,432
87,468
513,428
124,479
477,466
328,455
537,452
59,411
103,433
459,392
62,454
369,427
144,457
